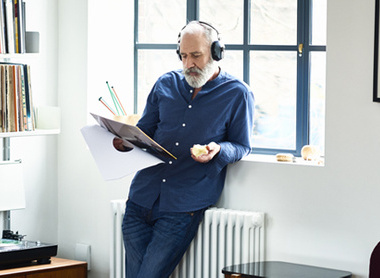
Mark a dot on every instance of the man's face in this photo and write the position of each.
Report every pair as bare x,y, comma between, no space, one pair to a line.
198,67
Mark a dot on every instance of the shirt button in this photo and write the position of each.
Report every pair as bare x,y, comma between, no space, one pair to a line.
170,162
191,91
190,106
183,124
176,143
163,180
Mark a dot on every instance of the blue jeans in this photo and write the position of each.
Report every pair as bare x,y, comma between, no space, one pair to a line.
156,241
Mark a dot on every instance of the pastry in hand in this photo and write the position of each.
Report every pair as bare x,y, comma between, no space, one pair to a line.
198,150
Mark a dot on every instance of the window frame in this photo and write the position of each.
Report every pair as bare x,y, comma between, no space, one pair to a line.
304,32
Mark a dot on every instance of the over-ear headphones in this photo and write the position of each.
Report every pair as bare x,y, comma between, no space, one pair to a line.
217,47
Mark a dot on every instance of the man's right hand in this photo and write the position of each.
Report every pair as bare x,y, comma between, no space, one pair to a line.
119,144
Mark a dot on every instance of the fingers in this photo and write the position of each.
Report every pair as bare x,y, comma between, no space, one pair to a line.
212,148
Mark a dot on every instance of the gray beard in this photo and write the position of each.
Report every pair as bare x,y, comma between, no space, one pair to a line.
202,78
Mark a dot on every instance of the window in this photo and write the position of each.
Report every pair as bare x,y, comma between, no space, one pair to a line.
278,47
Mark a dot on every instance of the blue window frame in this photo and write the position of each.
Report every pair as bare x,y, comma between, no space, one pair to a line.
285,64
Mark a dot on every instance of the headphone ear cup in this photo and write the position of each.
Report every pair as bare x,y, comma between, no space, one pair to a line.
217,50
178,52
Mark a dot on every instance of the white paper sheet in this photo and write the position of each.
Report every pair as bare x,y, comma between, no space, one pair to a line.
12,192
114,164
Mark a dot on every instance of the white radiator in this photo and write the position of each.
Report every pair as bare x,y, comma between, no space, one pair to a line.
117,254
225,237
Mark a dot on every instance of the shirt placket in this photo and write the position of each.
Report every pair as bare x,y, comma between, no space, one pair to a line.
181,131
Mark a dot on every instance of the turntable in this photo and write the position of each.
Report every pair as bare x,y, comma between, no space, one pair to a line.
14,251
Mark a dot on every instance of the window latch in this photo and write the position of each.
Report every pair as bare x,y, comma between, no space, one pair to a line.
300,49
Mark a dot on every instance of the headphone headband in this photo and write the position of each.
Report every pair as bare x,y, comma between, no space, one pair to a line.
201,23
217,47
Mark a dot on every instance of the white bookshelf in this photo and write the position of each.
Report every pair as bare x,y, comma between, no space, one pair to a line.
37,132
32,41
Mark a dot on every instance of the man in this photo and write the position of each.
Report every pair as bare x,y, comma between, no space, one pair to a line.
200,104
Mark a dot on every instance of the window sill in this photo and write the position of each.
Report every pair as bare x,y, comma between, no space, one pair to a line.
272,159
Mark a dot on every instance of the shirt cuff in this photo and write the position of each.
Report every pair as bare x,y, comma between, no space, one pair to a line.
229,153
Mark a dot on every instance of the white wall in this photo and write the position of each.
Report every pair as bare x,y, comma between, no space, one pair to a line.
325,216
83,196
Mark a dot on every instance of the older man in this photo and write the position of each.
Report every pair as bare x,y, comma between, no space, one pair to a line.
200,104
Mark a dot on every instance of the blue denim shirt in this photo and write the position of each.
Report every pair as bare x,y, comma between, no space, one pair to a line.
221,112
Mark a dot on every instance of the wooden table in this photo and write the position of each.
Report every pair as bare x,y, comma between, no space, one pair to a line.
270,269
58,268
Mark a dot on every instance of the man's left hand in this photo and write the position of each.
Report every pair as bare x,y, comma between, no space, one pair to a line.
213,149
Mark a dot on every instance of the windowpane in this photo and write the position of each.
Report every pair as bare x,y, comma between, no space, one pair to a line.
226,16
317,99
318,33
152,64
233,63
274,22
160,21
274,83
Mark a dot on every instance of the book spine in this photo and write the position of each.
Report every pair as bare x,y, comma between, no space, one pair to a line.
4,97
13,98
21,25
9,98
10,35
32,117
1,98
23,100
28,97
2,28
19,100
16,26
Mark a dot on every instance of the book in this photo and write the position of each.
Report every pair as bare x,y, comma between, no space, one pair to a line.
23,101
19,26
19,98
2,28
2,101
22,26
10,99
30,122
10,24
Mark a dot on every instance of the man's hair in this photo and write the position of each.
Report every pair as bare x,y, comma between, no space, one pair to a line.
192,27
